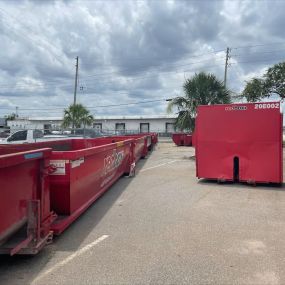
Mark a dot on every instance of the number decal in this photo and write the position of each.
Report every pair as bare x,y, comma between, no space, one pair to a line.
267,106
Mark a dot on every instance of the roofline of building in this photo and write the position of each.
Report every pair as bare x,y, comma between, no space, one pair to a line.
136,117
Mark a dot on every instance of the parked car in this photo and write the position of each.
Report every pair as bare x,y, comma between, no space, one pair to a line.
30,136
89,133
4,134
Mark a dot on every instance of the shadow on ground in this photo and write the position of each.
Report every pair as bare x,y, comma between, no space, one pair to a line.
244,185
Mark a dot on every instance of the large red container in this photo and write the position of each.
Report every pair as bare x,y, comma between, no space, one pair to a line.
142,144
24,201
83,174
56,182
181,139
178,138
240,142
154,138
84,170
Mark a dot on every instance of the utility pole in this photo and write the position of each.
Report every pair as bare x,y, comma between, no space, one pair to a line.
17,111
76,80
226,66
75,89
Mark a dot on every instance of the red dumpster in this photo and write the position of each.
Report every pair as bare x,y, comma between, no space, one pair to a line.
154,138
240,142
56,182
188,140
142,144
83,170
178,138
182,139
24,201
83,174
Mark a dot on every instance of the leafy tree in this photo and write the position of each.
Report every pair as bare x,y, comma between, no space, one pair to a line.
275,80
254,90
11,117
271,83
77,114
201,89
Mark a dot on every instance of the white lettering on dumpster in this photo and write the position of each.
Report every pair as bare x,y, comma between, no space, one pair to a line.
77,162
60,166
113,161
267,106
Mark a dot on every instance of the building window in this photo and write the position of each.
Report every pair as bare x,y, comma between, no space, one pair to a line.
120,126
169,128
97,127
144,127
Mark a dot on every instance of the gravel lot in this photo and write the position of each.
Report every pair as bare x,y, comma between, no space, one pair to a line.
165,227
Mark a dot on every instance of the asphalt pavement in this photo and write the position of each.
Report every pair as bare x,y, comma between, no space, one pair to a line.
164,226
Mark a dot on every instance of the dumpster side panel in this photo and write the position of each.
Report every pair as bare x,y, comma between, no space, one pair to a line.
21,181
95,174
215,160
154,138
60,187
139,148
261,164
246,134
142,144
81,178
13,209
188,140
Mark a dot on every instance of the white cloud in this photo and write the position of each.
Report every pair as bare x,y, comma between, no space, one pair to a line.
128,50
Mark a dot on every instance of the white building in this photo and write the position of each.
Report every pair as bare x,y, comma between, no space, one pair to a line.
160,124
157,123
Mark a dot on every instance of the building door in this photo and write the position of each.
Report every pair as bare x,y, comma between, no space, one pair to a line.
170,128
144,127
97,127
47,129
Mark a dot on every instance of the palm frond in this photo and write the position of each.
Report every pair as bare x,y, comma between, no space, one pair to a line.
201,89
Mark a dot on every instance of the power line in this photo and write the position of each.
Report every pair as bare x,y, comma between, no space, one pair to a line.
62,84
259,45
92,107
156,58
165,66
168,72
57,84
116,72
258,52
251,61
86,78
129,90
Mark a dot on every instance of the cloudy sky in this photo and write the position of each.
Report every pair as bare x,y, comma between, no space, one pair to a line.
129,51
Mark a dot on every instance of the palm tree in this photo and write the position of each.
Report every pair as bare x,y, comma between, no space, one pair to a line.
77,115
201,89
